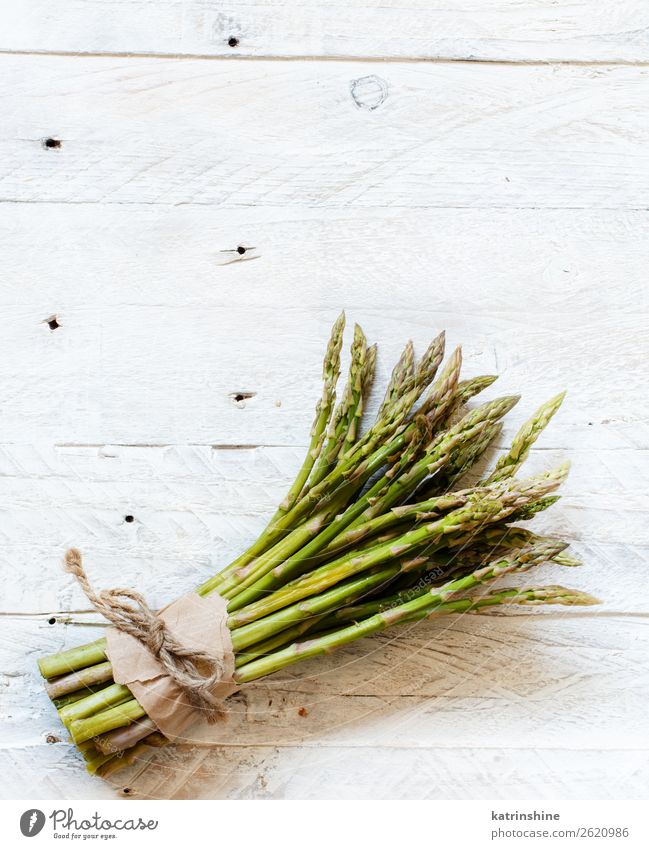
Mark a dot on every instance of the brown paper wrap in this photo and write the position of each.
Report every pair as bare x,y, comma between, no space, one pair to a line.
198,623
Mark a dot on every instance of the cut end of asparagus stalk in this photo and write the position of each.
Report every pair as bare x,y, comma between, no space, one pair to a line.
80,657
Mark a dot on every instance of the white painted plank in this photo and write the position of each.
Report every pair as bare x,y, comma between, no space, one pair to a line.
99,377
472,694
49,772
586,30
119,410
195,508
382,772
275,134
391,772
156,334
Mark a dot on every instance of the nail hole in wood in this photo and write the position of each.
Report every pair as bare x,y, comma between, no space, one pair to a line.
51,620
126,791
242,252
238,397
233,42
129,518
52,143
52,322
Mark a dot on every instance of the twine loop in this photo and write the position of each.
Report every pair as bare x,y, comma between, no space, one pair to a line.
196,672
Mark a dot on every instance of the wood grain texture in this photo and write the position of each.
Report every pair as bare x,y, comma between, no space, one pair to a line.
202,471
445,135
153,320
540,30
195,508
504,202
508,696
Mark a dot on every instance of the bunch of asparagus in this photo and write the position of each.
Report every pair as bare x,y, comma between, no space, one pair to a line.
373,532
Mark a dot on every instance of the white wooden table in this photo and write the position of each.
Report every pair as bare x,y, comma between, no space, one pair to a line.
362,166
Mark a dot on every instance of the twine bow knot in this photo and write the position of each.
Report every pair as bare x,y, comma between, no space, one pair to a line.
195,671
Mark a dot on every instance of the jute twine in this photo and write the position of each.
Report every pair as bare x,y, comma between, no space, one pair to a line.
196,672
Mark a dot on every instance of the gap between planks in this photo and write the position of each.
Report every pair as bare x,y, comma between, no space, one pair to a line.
568,614
316,57
350,745
314,207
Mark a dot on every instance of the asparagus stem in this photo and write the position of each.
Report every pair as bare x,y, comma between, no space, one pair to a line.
70,698
469,427
108,697
386,437
280,556
283,638
397,516
522,561
512,496
124,738
113,763
53,665
82,678
248,635
504,596
96,761
390,428
281,564
340,541
435,604
489,505
330,372
513,595
278,553
341,537
466,457
116,717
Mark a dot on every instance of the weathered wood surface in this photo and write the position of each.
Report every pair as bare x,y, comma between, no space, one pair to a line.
195,508
425,710
504,202
309,134
156,316
500,30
